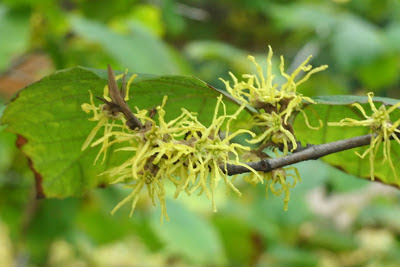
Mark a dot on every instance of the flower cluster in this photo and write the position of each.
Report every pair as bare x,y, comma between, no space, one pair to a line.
192,156
382,129
276,103
184,151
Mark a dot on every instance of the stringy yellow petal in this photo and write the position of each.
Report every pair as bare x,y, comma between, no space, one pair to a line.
381,128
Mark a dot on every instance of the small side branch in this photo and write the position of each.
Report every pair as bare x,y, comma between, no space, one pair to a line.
311,152
117,101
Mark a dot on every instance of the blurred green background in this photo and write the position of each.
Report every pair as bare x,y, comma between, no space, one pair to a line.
334,219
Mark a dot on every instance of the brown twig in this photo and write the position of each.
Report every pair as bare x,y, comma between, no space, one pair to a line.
311,152
117,100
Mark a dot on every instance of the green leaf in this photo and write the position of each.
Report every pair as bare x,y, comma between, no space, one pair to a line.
350,99
214,60
284,255
7,148
237,238
393,36
48,115
139,51
303,15
342,182
356,42
331,239
54,219
334,109
385,214
16,41
189,235
380,73
213,50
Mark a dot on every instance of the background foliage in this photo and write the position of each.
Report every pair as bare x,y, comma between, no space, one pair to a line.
334,219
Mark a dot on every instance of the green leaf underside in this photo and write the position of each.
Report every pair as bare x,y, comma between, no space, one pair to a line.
201,246
49,115
350,99
336,108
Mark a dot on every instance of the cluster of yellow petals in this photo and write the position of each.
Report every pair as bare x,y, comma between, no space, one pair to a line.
106,120
382,129
183,151
276,103
277,181
193,156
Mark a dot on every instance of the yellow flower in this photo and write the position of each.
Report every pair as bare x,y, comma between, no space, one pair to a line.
106,118
382,130
276,130
182,150
259,90
147,166
276,177
209,152
276,102
280,176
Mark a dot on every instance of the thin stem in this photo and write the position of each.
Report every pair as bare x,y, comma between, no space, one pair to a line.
118,101
311,152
